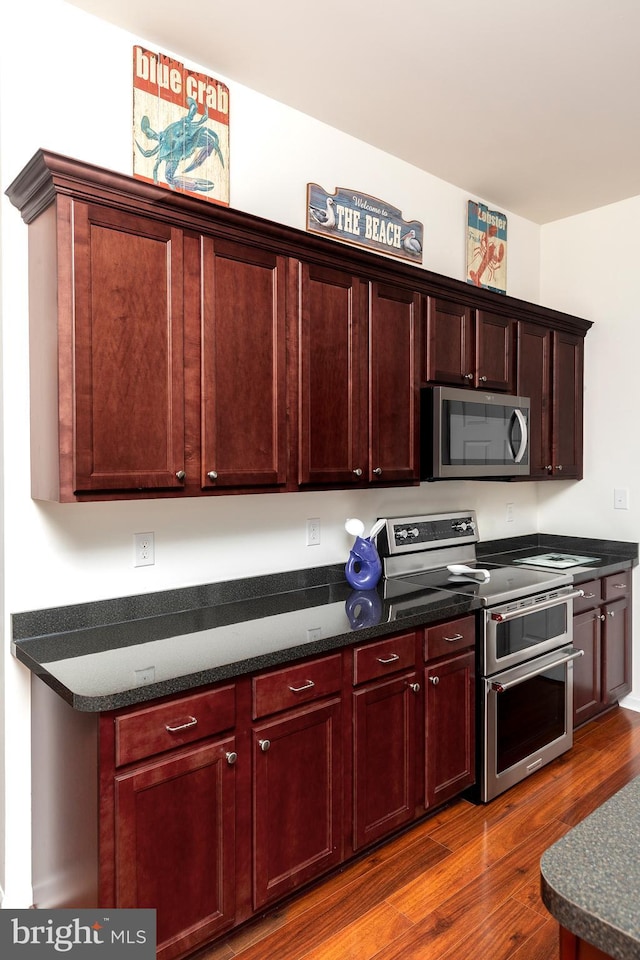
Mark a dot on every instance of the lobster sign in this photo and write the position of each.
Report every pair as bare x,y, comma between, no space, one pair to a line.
486,248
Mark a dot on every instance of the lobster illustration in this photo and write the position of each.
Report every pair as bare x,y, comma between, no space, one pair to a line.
490,257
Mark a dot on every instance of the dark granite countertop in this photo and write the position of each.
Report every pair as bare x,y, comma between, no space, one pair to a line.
609,555
591,877
113,653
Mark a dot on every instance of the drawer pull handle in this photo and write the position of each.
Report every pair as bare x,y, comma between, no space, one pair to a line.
391,659
305,686
191,722
232,757
264,745
458,636
620,586
588,596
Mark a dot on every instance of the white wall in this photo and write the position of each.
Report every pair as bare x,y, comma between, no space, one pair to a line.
589,267
70,91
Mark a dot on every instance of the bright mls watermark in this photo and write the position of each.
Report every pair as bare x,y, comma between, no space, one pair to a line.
79,934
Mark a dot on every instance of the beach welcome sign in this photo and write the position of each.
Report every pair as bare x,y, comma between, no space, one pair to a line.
364,221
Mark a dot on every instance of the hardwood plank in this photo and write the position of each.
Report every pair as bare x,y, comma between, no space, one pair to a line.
543,945
364,938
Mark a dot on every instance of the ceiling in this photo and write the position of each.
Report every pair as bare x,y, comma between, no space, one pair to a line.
529,105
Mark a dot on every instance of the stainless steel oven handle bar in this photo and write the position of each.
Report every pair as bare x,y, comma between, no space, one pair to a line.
501,687
523,611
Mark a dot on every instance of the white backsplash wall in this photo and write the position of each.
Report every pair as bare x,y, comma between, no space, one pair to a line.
589,267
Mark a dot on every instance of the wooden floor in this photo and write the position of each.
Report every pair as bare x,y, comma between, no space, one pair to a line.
463,884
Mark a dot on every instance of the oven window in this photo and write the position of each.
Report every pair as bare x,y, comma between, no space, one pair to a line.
530,716
529,630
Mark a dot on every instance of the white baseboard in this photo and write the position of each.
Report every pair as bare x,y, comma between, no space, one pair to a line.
631,703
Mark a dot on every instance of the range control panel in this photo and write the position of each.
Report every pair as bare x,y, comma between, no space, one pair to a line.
406,534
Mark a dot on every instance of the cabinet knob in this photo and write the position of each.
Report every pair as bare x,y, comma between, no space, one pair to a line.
180,475
264,745
358,472
212,475
467,376
434,680
377,471
415,687
232,757
482,379
611,613
600,616
559,466
549,468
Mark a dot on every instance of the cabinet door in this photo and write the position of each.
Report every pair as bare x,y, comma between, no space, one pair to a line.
244,417
333,354
533,381
616,650
494,352
129,388
384,736
587,670
567,383
175,842
393,384
450,727
297,799
450,349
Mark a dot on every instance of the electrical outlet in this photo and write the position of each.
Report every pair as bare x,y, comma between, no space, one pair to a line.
313,532
144,550
314,633
620,498
146,675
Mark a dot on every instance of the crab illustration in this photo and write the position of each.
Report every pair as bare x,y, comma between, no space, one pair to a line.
177,143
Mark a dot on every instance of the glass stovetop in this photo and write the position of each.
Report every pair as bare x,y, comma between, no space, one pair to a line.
504,583
557,561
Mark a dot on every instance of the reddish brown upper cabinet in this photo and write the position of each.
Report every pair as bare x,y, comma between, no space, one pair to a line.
550,373
468,347
244,439
107,384
358,363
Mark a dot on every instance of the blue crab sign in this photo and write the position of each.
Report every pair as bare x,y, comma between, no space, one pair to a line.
180,127
364,221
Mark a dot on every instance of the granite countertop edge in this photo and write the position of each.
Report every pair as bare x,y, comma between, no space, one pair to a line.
579,874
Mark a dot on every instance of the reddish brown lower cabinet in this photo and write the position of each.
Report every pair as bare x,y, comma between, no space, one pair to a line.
449,710
175,844
575,948
602,630
385,717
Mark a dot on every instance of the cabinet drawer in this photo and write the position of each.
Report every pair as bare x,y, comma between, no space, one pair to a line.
449,638
385,657
592,596
282,689
617,585
155,729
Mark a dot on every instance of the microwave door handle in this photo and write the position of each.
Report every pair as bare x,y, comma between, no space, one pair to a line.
524,433
501,687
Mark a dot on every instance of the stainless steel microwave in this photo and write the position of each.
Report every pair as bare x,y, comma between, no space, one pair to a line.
468,434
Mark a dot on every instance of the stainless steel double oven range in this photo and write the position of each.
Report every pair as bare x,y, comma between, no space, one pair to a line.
524,652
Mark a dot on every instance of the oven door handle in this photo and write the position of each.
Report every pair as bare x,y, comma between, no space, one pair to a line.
522,611
501,687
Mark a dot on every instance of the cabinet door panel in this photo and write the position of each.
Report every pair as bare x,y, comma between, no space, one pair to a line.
587,670
129,389
494,352
244,421
175,839
450,727
567,405
333,350
533,381
616,659
384,758
449,343
393,387
297,799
